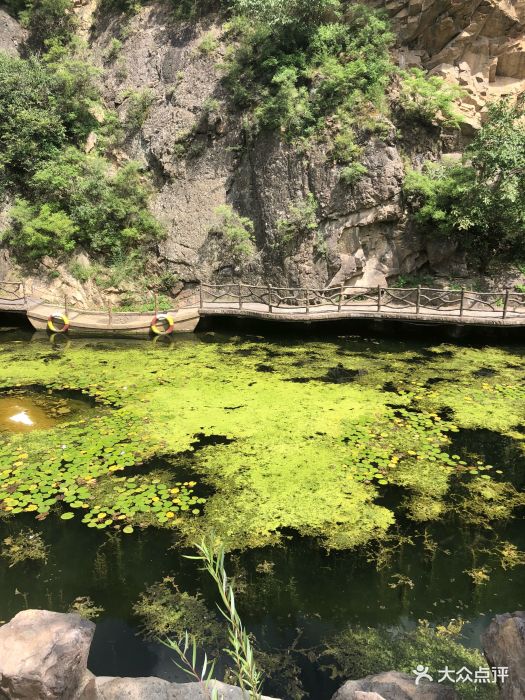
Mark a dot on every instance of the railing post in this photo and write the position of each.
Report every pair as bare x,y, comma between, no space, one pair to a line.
506,304
239,291
462,303
418,299
110,315
156,297
270,307
24,291
307,301
201,300
379,297
66,305
341,291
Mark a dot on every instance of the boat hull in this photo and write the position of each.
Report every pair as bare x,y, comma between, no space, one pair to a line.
116,324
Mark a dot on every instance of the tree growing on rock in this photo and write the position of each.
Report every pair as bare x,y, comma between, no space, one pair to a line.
479,200
282,13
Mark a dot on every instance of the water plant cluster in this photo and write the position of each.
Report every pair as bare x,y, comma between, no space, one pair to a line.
81,475
296,448
25,545
383,454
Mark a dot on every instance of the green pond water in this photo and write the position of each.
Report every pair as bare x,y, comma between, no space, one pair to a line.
369,492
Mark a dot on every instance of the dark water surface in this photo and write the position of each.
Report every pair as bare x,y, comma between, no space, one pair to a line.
309,594
295,595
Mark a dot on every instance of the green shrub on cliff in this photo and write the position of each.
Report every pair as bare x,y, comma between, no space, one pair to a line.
284,13
49,20
44,106
66,197
429,98
39,230
14,7
236,230
79,202
300,221
296,70
480,201
138,107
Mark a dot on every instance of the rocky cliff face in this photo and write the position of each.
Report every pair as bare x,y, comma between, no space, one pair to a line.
193,143
479,44
12,35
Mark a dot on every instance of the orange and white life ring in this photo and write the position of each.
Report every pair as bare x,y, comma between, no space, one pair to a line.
58,323
162,324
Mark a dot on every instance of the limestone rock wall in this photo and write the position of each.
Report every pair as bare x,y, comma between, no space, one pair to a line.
12,36
193,141
478,44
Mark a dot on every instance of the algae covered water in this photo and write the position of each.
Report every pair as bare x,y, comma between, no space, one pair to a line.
370,492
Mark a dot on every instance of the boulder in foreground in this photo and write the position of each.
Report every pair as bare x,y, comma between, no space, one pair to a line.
504,645
393,686
43,655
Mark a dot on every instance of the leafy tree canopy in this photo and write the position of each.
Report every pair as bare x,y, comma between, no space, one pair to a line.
292,79
49,20
283,13
481,200
44,106
67,197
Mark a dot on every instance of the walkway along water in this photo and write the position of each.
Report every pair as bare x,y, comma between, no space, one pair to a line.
300,305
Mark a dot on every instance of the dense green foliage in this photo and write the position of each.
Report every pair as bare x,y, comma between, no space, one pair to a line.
67,197
429,98
14,7
138,105
105,213
300,221
285,13
49,20
40,231
480,200
291,74
360,652
236,230
44,106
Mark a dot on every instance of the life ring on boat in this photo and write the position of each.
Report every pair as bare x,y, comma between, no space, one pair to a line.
58,323
162,324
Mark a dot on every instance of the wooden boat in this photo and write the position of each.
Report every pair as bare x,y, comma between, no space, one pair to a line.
109,323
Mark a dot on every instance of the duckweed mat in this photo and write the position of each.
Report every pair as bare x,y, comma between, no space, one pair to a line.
341,441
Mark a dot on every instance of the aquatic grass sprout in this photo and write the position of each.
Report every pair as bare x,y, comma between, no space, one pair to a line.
239,647
85,607
167,611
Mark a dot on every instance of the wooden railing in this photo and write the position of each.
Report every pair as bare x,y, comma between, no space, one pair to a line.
417,300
